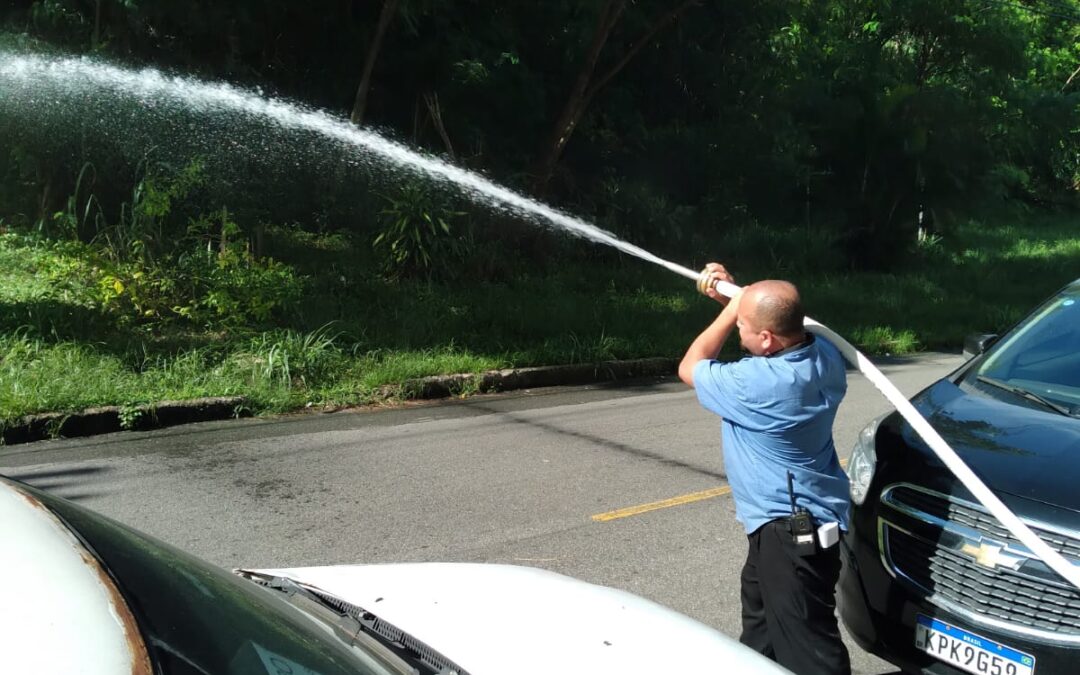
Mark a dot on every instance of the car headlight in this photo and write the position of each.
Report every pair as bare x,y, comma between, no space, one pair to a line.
863,462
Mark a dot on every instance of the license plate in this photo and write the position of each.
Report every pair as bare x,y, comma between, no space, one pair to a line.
968,651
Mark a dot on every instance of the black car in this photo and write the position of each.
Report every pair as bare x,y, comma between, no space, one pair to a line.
932,581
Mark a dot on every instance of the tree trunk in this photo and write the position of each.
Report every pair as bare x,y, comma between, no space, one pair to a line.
52,189
45,207
95,39
925,63
435,112
572,110
585,88
360,104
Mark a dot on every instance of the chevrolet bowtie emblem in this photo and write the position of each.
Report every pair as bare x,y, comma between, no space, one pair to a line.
990,555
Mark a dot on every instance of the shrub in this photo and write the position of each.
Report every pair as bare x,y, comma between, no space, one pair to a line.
416,236
211,289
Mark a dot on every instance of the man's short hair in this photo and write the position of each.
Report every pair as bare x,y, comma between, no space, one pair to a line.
781,314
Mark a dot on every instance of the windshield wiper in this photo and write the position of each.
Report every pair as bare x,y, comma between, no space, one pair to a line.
399,651
1024,393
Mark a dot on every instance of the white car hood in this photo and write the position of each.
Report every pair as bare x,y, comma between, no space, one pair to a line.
498,619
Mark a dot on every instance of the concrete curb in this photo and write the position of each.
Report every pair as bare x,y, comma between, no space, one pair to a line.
441,386
108,419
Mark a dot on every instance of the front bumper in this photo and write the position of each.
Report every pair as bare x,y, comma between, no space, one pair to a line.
880,613
890,636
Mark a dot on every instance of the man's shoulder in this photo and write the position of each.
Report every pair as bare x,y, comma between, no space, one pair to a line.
827,352
761,378
825,346
748,369
736,379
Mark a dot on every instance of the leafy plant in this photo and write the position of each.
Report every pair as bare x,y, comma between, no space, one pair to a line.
129,416
140,230
416,235
215,283
70,222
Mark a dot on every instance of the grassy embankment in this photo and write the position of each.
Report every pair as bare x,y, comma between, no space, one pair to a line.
352,334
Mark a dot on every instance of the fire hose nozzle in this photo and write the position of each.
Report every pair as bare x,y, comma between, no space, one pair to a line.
704,283
725,288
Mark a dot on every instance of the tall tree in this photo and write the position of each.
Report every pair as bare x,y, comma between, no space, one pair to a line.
586,85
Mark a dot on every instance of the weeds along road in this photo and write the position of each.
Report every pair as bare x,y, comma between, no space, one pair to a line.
618,485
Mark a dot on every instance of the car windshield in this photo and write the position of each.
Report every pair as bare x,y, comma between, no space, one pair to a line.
1041,356
199,619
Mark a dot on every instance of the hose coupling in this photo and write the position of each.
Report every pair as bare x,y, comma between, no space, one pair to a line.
704,282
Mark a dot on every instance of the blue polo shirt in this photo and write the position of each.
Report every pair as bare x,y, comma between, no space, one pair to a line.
778,414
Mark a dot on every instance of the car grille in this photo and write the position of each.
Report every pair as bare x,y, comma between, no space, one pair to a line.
1001,596
977,518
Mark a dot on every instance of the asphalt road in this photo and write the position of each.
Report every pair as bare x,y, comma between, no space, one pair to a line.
567,479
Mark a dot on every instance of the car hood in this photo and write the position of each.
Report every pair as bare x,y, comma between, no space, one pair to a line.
1014,449
496,619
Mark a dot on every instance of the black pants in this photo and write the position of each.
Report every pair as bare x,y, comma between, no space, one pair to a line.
789,603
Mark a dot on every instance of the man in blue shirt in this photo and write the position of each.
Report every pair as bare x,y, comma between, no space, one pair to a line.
778,406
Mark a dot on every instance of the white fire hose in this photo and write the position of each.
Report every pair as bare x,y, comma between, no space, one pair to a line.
937,444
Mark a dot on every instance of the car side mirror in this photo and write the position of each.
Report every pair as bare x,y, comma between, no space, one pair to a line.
977,343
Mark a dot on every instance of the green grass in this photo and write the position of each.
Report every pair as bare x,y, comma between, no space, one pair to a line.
354,336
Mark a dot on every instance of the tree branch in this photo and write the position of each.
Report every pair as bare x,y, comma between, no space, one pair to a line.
571,112
1068,81
645,38
435,111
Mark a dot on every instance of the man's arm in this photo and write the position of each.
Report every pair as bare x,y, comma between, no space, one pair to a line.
712,339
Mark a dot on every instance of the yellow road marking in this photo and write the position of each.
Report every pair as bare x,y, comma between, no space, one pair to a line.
662,504
667,503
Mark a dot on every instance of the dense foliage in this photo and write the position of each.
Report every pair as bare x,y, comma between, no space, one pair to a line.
663,121
183,252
